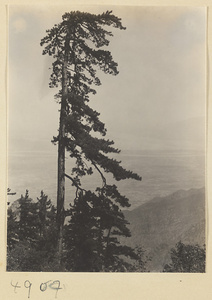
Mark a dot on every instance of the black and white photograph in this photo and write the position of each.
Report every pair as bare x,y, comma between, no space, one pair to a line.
106,125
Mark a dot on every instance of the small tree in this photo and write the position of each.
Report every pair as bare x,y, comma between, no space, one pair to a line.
92,235
81,234
12,229
186,258
28,219
47,240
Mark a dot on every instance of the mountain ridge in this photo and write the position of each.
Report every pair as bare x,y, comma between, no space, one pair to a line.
157,225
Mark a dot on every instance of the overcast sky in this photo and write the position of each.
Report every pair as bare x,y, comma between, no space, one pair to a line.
156,102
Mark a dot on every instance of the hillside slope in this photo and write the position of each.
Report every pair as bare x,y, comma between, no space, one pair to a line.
162,222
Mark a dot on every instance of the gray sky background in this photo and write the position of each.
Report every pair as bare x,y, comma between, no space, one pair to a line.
157,102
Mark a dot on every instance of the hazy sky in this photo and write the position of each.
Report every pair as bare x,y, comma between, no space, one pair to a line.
156,102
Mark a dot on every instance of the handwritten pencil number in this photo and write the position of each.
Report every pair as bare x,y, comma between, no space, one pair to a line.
54,285
28,285
15,286
51,284
44,286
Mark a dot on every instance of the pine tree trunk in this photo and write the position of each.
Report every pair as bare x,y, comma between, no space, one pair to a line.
61,162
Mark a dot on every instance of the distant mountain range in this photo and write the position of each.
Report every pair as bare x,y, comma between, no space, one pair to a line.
159,224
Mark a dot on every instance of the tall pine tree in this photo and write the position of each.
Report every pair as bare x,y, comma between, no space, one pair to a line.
77,45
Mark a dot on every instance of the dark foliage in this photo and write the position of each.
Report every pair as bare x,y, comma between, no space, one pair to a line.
90,240
31,237
12,229
91,236
186,259
28,219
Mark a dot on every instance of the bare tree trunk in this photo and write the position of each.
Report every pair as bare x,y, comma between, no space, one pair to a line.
61,162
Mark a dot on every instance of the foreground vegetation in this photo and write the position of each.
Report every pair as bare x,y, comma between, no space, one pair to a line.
32,241
87,244
186,259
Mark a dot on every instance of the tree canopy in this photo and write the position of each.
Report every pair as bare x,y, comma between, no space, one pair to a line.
186,258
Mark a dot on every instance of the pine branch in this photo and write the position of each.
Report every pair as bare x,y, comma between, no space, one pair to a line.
74,182
103,178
